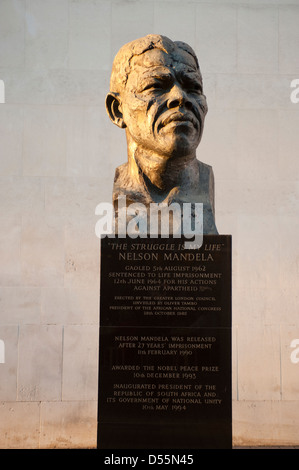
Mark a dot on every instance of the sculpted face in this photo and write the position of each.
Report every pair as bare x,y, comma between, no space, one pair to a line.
156,95
162,104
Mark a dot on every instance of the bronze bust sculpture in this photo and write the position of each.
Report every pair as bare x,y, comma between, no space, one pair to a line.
156,95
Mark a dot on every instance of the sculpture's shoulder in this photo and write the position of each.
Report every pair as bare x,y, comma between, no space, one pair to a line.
122,180
125,185
207,196
120,172
204,168
206,177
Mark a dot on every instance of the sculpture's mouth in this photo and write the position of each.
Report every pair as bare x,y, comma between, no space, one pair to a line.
179,118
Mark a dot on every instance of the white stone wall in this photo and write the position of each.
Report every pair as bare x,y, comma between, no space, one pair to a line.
58,152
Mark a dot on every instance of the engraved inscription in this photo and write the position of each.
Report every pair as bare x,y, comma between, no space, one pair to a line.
156,281
153,372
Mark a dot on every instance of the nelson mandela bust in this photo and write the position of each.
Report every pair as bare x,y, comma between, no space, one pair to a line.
156,95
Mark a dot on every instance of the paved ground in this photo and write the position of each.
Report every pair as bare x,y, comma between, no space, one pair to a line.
266,447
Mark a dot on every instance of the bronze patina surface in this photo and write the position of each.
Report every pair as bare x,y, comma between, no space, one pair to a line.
156,95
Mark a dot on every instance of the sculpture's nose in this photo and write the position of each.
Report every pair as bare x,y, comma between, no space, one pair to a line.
178,97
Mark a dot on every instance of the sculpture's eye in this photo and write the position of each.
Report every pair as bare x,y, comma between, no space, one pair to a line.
194,88
191,83
154,86
160,84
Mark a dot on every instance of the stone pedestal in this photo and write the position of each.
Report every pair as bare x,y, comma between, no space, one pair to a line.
165,344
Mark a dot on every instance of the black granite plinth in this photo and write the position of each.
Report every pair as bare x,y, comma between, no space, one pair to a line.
165,344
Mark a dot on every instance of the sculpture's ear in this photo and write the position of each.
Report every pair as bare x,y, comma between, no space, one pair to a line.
113,107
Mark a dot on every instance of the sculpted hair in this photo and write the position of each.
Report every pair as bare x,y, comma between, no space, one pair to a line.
122,62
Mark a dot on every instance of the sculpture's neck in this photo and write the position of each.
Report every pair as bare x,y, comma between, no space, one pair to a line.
161,173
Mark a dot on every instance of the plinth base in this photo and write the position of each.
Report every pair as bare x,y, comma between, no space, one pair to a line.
165,352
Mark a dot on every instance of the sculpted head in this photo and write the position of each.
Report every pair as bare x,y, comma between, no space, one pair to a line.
156,95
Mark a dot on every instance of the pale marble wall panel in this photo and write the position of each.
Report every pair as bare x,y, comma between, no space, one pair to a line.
11,131
290,361
285,310
288,143
287,430
258,260
272,423
77,87
19,425
45,141
40,363
253,91
46,49
42,253
75,197
257,140
10,250
12,31
21,196
8,369
235,363
88,148
82,252
27,86
220,152
16,58
258,363
68,424
289,267
248,198
225,196
288,198
255,422
80,362
89,35
69,306
12,15
257,39
216,38
43,16
180,24
130,20
260,306
47,34
55,86
289,38
20,305
209,87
